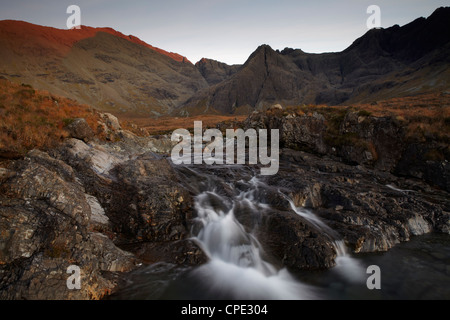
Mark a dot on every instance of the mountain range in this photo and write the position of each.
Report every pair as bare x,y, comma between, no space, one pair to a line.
98,67
121,74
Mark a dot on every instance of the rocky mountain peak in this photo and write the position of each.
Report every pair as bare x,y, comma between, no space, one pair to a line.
214,71
383,63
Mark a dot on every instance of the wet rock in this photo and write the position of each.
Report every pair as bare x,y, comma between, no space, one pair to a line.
418,226
356,202
152,205
183,252
295,243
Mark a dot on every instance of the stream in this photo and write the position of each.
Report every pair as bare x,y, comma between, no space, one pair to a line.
238,267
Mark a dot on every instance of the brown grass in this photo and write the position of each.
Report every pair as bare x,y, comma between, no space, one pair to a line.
36,119
424,116
167,125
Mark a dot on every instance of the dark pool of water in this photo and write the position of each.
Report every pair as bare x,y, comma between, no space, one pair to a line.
419,269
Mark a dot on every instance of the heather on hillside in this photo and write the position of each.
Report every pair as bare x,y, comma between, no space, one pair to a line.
36,119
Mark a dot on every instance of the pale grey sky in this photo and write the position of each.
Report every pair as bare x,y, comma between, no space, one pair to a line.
227,30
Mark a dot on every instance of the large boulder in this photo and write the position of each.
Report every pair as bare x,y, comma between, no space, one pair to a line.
378,141
296,132
141,195
45,227
295,242
79,129
111,121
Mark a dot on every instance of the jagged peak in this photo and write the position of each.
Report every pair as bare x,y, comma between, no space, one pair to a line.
205,61
264,47
430,32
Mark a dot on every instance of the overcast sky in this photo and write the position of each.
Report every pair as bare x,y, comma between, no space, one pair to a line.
227,30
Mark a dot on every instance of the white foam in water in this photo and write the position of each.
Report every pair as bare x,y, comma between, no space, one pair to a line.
397,189
311,217
247,283
236,267
346,265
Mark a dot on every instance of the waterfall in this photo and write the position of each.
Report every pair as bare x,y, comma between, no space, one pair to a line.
346,265
236,267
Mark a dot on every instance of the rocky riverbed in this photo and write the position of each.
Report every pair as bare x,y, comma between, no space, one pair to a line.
111,207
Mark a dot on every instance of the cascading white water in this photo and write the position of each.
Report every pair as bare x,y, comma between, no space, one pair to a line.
236,267
390,186
346,265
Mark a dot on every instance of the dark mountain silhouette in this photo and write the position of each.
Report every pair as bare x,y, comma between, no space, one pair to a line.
384,63
214,71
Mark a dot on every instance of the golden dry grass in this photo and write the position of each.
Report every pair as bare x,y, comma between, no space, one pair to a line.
36,119
425,116
166,125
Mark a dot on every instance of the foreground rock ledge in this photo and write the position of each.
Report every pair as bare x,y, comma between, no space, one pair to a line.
77,207
107,208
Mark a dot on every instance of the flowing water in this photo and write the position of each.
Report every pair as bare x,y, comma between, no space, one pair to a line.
237,267
348,266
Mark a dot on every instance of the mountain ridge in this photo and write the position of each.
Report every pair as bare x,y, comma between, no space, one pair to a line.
68,37
97,66
383,63
122,74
